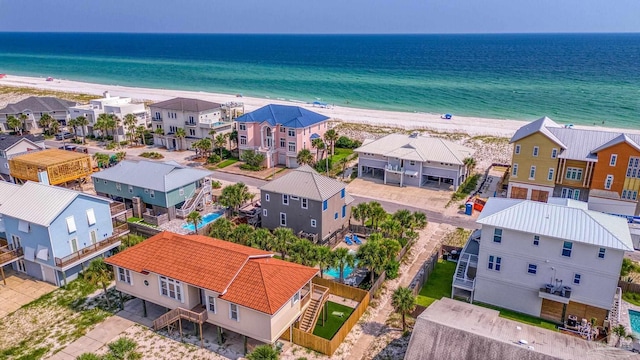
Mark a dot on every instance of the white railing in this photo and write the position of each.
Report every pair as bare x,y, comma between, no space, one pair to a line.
192,202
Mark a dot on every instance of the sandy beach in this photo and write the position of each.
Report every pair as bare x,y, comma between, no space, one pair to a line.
470,125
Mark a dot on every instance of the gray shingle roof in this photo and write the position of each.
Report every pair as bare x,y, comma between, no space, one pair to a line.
40,204
7,141
417,148
38,104
307,183
158,176
186,104
558,221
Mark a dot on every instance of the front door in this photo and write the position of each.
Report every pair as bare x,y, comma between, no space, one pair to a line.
16,241
20,266
94,237
74,245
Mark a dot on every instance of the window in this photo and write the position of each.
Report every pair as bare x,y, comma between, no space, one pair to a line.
497,235
242,126
629,194
342,192
566,248
170,288
550,174
608,182
495,262
613,160
292,146
517,149
283,129
536,150
344,211
106,182
412,163
243,140
152,194
532,173
554,153
313,223
304,203
124,275
24,226
233,312
71,224
601,253
267,197
296,297
283,142
294,197
192,132
285,199
211,304
533,269
291,132
536,240
283,219
130,189
514,170
633,169
264,212
146,191
577,278
91,217
573,174
118,186
181,191
335,216
325,205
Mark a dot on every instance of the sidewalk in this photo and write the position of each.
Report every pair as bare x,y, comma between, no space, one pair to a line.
102,334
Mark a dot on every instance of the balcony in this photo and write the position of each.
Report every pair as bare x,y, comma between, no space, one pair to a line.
156,118
110,242
561,294
9,255
191,123
394,168
117,208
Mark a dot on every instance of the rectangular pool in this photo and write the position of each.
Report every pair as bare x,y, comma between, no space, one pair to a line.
634,317
206,219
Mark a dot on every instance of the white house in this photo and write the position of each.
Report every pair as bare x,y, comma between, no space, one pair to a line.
413,160
549,260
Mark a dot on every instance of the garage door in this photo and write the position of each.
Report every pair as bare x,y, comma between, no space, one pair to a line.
518,193
539,195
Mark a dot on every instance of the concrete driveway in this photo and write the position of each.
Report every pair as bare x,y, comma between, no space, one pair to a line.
20,290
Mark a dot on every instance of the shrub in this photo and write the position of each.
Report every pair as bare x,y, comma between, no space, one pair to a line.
252,160
215,184
152,155
111,145
124,143
466,188
346,143
250,167
213,159
391,269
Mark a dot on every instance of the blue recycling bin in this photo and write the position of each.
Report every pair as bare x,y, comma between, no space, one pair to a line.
468,208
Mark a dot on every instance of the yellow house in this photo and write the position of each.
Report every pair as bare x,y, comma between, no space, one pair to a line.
534,161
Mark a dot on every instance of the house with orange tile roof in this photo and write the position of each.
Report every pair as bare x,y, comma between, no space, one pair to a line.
217,283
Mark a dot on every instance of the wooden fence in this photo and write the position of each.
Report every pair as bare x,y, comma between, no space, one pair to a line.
425,271
360,229
322,345
143,230
629,287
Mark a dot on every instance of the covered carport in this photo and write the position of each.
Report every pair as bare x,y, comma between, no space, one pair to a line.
432,176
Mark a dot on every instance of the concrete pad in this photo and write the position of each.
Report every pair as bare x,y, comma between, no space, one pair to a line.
109,329
20,290
61,356
82,345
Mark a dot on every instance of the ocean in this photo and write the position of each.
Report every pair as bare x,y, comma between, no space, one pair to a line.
573,78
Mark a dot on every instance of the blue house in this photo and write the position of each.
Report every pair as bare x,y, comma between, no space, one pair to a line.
157,191
55,232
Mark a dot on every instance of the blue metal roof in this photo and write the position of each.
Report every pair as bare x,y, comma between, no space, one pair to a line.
289,116
314,136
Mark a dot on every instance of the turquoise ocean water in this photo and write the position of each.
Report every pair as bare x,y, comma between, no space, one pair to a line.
578,78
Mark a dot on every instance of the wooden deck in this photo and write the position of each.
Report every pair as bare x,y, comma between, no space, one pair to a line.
9,255
118,231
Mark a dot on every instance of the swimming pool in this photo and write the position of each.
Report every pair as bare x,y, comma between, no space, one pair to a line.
206,219
335,272
634,317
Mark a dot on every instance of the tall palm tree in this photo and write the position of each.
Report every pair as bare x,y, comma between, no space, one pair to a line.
221,229
325,258
139,132
82,122
403,302
180,134
194,218
212,133
242,234
220,141
206,145
419,220
101,159
343,258
283,240
303,252
304,157
331,136
45,122
261,239
317,144
371,256
361,212
102,124
114,124
74,125
233,196
54,126
23,118
99,274
392,228
233,138
470,164
130,123
376,213
14,123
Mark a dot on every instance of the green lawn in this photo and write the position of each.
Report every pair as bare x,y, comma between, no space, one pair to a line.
333,323
438,285
226,163
632,298
520,317
339,155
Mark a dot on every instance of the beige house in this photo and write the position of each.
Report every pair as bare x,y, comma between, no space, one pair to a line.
205,280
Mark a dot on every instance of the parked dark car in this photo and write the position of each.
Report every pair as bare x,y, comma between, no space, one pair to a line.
66,135
68,147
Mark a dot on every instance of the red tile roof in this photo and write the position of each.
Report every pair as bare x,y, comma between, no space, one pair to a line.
250,277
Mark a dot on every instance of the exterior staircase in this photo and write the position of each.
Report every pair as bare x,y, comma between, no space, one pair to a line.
614,314
191,203
169,319
319,296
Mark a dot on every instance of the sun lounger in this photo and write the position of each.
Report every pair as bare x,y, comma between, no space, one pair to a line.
338,314
348,240
356,239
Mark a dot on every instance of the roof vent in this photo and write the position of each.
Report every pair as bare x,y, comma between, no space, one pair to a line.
414,134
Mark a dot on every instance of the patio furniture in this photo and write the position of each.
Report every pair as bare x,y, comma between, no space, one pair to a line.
347,240
356,239
338,314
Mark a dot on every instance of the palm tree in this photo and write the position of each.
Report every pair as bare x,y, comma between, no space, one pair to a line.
263,352
343,258
45,122
233,196
101,159
376,213
242,234
55,127
621,332
74,125
390,248
14,123
221,139
139,132
419,220
102,124
130,122
304,157
392,228
371,256
114,123
283,238
325,258
404,217
99,274
180,134
403,302
470,163
343,163
261,239
331,136
233,138
221,229
194,218
23,119
317,144
82,122
361,212
206,145
303,252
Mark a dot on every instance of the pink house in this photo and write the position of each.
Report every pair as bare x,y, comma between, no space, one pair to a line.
280,132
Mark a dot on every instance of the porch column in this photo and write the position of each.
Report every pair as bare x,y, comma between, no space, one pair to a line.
64,276
401,178
4,280
219,331
244,344
385,177
121,302
201,337
144,308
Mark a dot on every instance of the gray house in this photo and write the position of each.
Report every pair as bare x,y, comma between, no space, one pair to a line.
157,191
11,145
312,205
34,107
413,160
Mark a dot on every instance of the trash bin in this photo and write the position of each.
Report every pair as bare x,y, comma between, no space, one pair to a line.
468,208
445,257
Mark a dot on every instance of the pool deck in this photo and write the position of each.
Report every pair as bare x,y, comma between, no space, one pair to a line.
175,225
625,320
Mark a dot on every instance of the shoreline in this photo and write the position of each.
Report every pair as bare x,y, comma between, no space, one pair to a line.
473,126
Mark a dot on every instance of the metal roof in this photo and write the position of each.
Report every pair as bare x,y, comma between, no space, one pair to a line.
285,115
186,104
40,204
7,190
37,104
158,176
580,143
418,148
307,183
632,140
541,125
561,221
